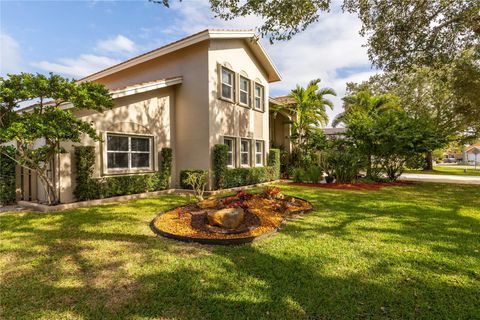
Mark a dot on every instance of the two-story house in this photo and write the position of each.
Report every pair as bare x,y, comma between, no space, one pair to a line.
208,88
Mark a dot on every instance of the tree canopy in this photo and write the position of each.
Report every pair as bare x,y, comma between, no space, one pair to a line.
36,133
400,33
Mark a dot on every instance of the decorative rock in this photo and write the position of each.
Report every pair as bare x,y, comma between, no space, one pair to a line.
229,218
208,203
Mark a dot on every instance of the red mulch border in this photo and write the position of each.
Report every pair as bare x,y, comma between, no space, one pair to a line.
353,186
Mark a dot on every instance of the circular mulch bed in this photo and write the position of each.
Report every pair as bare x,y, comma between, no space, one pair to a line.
353,186
262,218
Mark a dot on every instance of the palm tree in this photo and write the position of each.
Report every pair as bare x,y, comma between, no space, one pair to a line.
309,110
364,101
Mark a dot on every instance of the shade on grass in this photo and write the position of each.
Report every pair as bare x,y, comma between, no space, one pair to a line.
402,252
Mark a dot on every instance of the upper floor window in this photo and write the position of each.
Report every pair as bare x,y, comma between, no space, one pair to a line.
259,97
244,91
227,79
230,142
126,153
245,152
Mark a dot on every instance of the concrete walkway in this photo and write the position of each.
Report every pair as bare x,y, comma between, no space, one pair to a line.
443,178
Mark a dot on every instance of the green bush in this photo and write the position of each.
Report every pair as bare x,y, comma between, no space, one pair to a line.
247,176
7,176
346,165
184,175
122,185
220,158
298,174
166,164
274,161
88,188
314,174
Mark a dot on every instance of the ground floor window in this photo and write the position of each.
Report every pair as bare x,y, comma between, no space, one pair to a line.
245,152
128,152
259,153
230,142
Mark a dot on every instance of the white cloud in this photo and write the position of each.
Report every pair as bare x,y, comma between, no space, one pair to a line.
84,65
10,58
118,44
322,51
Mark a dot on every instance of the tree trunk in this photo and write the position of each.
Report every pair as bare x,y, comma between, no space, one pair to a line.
429,161
369,166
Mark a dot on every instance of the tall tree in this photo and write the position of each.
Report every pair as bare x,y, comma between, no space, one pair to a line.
361,109
421,32
438,96
37,133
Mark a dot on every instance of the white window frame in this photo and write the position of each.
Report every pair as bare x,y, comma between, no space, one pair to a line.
240,91
129,169
232,85
261,153
247,152
261,97
233,151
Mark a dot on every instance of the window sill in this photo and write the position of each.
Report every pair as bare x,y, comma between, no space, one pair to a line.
244,106
127,172
226,99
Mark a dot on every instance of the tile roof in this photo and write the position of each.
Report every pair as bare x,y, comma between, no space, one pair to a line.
284,100
333,131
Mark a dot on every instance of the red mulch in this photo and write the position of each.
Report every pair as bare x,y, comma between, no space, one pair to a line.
353,186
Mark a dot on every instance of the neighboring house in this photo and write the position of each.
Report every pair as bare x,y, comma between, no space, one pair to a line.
335,133
205,89
472,154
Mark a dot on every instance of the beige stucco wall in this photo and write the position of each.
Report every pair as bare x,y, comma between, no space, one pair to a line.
190,135
231,119
147,113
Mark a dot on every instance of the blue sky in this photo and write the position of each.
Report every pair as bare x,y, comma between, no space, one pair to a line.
74,38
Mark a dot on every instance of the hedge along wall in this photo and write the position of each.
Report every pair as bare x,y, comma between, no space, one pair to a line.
7,176
230,178
88,188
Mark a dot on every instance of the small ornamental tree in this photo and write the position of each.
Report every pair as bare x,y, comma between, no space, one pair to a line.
37,132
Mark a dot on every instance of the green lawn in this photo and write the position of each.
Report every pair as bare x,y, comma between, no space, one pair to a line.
407,252
449,170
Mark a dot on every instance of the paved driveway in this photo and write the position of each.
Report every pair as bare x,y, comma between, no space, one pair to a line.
444,178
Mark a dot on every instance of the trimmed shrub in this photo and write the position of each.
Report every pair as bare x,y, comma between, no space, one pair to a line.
184,175
166,164
122,185
220,158
246,176
88,188
274,161
7,176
